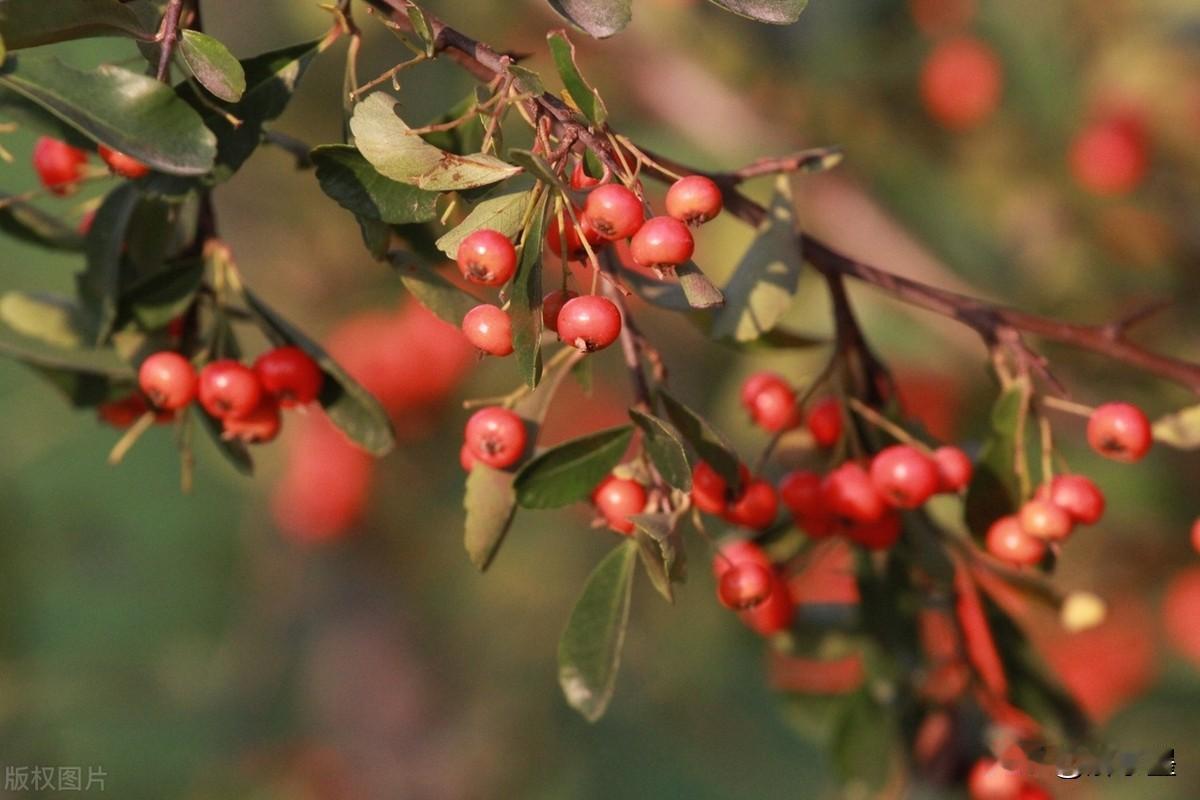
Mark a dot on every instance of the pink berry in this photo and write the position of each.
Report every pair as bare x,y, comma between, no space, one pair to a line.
487,257
770,402
745,585
589,322
694,199
905,476
614,211
496,437
617,499
1078,496
488,328
1008,541
662,243
1119,431
954,468
168,380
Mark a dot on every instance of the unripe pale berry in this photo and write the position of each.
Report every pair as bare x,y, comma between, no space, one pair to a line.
954,468
849,495
1109,157
614,211
489,328
589,323
770,402
618,498
694,199
1119,431
168,380
905,476
745,585
1008,541
709,489
961,83
552,304
825,422
59,166
662,243
757,506
121,164
259,426
229,389
496,436
290,375
487,257
1077,495
1045,520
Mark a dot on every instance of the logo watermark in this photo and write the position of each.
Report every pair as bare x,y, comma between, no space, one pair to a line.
27,778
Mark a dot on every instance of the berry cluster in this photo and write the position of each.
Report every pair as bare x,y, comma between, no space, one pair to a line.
246,400
60,166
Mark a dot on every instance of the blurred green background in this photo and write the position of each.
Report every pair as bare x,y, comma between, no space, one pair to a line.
191,651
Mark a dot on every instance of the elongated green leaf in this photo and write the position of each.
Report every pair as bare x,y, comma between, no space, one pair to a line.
29,23
665,447
129,112
100,284
350,180
211,63
439,295
51,319
661,549
599,18
160,298
43,353
233,450
589,652
391,147
421,27
586,98
994,491
349,406
30,224
765,282
704,439
567,473
775,12
525,309
501,212
863,743
1180,430
528,81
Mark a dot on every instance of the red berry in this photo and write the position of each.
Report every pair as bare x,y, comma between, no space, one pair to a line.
757,506
290,375
905,476
575,249
614,211
1119,431
1008,541
489,328
126,411
825,422
487,257
496,436
800,491
850,495
745,585
59,165
991,780
589,323
662,242
1076,495
1045,520
168,379
552,304
776,612
616,499
738,551
259,426
878,535
465,457
708,489
770,402
961,83
1196,535
954,469
936,18
694,199
229,389
1109,157
121,164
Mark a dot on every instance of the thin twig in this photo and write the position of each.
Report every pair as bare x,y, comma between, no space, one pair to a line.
168,36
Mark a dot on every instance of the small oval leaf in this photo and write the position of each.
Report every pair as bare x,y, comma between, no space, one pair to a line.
567,473
211,63
665,447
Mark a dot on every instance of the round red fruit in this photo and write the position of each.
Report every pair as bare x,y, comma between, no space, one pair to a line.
770,402
552,304
991,780
905,476
709,489
496,436
800,491
59,165
570,237
487,257
757,506
1119,431
1078,496
228,389
694,199
489,328
121,164
825,422
850,496
954,469
259,426
618,498
290,375
961,83
168,380
878,535
745,585
662,243
1044,520
614,211
589,323
1109,157
1009,542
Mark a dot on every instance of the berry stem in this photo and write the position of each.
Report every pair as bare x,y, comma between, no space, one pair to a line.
130,437
883,423
1069,406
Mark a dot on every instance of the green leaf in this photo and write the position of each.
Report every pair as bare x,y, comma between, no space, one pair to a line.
233,450
29,223
99,285
661,549
349,406
350,180
48,318
163,296
765,282
995,491
490,503
376,236
567,473
1180,430
536,166
704,439
586,98
29,23
439,295
211,63
589,652
502,211
775,12
528,81
391,147
129,112
599,18
525,292
698,290
422,29
863,743
41,331
665,447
